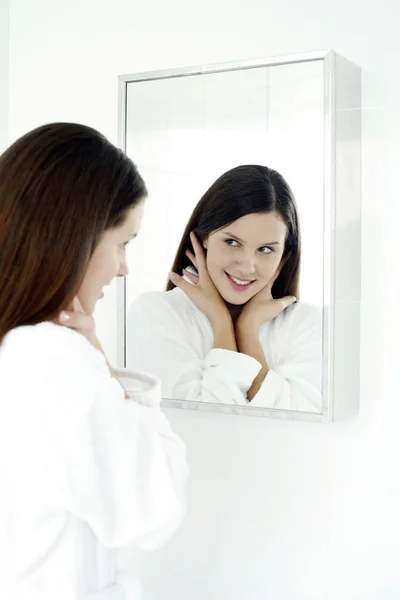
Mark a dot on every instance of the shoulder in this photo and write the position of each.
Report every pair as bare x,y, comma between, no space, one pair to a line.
46,344
299,317
300,311
53,371
174,302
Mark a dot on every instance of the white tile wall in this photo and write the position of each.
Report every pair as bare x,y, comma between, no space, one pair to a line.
277,510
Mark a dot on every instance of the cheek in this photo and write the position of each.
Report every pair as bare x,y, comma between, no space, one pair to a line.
106,267
219,258
112,265
269,266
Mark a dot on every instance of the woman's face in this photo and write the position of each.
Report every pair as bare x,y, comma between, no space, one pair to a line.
243,257
109,258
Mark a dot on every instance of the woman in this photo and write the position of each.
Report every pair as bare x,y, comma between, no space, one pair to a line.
88,462
229,331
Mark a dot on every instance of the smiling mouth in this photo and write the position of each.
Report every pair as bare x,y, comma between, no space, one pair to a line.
239,284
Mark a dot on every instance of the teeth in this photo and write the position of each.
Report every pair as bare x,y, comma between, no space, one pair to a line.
239,281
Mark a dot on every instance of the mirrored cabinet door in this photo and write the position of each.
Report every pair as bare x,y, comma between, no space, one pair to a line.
252,157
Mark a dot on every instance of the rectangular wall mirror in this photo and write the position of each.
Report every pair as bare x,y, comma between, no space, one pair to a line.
184,128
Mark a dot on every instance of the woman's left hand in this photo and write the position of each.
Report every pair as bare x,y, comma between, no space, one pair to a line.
262,308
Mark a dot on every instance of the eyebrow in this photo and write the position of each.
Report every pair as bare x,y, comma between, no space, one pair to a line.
241,241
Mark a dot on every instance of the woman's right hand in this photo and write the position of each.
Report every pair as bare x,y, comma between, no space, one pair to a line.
76,318
202,291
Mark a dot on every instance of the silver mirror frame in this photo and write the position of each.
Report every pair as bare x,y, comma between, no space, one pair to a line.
342,210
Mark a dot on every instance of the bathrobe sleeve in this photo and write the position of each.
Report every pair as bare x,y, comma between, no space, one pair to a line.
124,470
160,339
294,381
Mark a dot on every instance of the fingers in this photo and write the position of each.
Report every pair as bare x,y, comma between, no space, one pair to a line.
198,251
76,320
192,258
287,301
193,278
177,280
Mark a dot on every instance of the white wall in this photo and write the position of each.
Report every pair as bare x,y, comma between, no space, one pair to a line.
4,91
280,511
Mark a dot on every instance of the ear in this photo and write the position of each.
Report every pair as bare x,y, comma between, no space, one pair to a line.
205,243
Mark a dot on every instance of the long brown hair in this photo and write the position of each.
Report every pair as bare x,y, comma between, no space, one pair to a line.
61,186
241,191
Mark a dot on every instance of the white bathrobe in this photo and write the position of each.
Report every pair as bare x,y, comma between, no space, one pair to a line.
84,471
168,335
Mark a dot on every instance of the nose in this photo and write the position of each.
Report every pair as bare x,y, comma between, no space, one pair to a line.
247,265
123,269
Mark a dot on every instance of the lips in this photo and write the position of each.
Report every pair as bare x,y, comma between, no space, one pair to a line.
239,285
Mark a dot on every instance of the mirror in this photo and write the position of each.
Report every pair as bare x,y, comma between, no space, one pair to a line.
184,129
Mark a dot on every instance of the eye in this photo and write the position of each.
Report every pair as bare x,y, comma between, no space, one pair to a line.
232,243
266,250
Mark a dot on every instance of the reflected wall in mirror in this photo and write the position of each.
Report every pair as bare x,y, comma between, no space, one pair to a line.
242,156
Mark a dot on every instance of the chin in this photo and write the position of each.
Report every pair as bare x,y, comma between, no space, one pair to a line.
234,300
